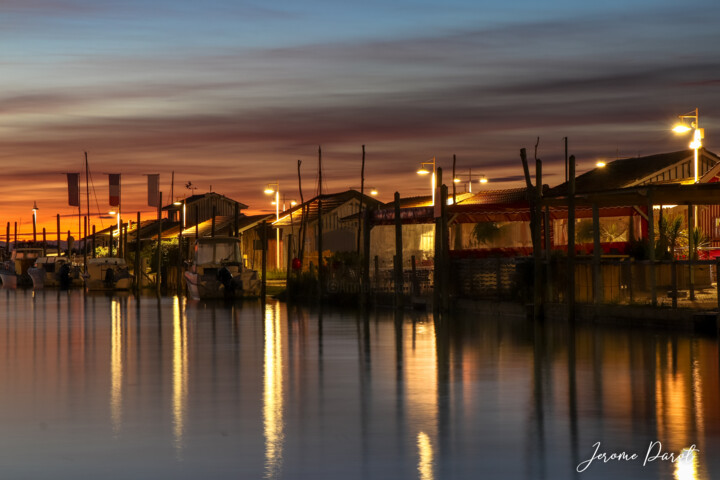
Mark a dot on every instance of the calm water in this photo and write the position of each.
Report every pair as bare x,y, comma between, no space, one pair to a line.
113,387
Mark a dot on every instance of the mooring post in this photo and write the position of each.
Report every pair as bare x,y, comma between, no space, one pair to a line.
398,254
365,278
597,252
651,248
263,242
691,250
445,272
138,273
571,240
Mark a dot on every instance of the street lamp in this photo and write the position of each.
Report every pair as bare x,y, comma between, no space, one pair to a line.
269,190
698,134
424,171
34,210
481,179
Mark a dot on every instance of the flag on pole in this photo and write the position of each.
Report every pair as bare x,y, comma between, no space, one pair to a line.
73,180
114,189
154,190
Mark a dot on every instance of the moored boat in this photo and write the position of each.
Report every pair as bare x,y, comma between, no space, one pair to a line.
108,273
14,272
218,271
54,271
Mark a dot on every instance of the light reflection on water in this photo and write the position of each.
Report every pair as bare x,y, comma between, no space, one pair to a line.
119,387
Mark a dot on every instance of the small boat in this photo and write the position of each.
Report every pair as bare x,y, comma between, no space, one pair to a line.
54,271
108,273
218,271
14,272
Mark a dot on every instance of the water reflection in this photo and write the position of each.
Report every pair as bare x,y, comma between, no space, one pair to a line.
116,365
195,390
180,372
273,392
425,451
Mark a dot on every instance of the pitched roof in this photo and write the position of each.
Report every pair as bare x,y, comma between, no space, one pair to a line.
627,172
330,202
194,198
497,197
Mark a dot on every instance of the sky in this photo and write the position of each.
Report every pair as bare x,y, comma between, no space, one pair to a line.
231,94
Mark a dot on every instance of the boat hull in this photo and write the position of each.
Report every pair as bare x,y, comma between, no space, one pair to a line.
203,287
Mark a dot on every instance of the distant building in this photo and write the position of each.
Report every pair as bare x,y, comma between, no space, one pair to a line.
201,207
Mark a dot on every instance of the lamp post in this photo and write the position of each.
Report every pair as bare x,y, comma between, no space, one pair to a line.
697,137
424,171
34,210
269,190
481,179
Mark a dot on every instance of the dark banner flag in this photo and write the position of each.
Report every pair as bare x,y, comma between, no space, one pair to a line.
114,189
73,189
154,190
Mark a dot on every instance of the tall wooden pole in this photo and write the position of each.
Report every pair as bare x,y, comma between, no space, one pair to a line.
7,237
263,242
44,243
159,244
362,192
651,247
399,286
445,238
571,240
58,234
304,209
138,273
15,235
94,253
87,203
691,249
321,276
597,252
537,242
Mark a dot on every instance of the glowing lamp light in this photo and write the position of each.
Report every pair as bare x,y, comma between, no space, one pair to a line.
483,179
681,128
269,191
423,171
177,203
293,203
112,212
373,192
456,180
600,164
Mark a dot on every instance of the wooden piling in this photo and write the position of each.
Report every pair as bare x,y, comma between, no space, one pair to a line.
59,252
365,282
158,266
691,249
651,247
537,242
321,264
44,243
138,273
94,253
445,235
398,277
263,263
571,240
597,273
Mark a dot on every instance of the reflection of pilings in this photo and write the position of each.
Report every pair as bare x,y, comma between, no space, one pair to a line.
572,397
399,384
442,349
365,371
538,414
